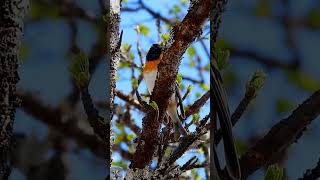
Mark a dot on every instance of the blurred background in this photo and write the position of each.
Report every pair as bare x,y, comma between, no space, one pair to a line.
54,140
280,38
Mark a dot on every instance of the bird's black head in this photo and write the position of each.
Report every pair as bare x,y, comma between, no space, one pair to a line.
154,52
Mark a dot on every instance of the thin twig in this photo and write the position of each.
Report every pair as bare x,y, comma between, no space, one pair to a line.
312,174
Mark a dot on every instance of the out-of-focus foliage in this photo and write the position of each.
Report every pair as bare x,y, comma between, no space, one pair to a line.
284,105
274,172
79,70
313,18
257,80
263,8
303,80
143,29
40,9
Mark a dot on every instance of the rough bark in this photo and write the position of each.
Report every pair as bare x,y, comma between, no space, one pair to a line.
182,35
11,30
114,22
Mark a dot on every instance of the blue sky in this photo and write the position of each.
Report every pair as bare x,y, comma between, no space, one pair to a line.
128,24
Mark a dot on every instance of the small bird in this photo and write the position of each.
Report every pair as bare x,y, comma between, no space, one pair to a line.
150,72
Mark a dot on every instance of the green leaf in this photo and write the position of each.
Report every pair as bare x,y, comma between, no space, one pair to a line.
195,118
284,105
131,56
154,105
134,82
313,18
130,137
198,94
303,80
179,78
165,37
176,9
263,8
182,86
167,152
120,126
205,87
117,77
126,47
191,64
79,70
207,67
222,53
222,45
257,80
124,65
229,79
120,164
200,151
183,2
143,29
222,58
274,172
119,138
191,51
40,10
189,87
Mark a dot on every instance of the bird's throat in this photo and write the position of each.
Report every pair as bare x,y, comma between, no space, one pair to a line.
151,65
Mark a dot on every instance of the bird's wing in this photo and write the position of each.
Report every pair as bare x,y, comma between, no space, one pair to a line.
179,100
220,103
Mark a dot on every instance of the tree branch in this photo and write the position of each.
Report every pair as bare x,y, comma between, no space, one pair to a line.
281,136
113,59
266,61
99,125
312,174
253,87
188,141
115,44
11,31
195,107
155,14
182,36
130,100
33,105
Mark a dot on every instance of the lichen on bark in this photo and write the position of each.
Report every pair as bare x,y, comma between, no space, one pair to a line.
113,20
11,31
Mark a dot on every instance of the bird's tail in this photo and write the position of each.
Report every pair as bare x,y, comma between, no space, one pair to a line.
178,127
220,103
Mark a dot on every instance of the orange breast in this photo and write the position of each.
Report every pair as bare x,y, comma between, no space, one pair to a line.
151,65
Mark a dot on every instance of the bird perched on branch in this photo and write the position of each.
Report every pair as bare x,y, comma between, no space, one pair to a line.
220,106
150,71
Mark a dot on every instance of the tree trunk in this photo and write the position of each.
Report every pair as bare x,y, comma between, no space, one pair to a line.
11,27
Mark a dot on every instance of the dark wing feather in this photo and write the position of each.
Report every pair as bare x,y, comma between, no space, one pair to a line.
220,102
